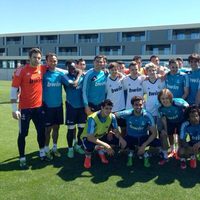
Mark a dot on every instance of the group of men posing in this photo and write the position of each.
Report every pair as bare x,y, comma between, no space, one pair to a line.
150,104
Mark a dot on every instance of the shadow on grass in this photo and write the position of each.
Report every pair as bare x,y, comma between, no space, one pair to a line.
33,161
71,169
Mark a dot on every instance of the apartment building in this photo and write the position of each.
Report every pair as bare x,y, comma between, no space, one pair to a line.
169,41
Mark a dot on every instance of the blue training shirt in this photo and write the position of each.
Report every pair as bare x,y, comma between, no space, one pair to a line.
175,112
194,80
192,130
176,83
74,94
52,88
137,126
94,87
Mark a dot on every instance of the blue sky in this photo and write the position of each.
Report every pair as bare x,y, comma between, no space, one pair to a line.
60,15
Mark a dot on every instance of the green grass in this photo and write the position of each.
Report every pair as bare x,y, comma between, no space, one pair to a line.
66,178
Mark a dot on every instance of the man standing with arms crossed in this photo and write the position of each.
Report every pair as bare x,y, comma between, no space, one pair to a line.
29,80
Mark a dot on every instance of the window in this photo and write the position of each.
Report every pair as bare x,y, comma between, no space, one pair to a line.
48,39
164,49
133,36
2,52
110,50
185,34
13,40
67,51
88,38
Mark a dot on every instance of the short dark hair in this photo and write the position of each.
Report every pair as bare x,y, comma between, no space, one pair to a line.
107,102
80,60
153,56
112,64
173,61
133,63
69,63
191,109
34,50
136,98
135,58
50,55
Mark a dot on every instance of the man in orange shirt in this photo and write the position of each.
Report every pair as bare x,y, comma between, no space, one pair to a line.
29,80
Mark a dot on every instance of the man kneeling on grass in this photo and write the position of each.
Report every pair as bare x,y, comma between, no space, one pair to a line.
97,133
190,129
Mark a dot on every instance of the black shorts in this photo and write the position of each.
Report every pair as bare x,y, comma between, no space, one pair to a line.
75,115
173,128
53,116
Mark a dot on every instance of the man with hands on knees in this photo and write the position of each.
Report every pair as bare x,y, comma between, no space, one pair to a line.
141,130
100,133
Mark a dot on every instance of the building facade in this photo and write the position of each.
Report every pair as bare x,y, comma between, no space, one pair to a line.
117,44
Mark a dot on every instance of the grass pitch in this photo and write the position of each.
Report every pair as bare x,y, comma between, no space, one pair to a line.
65,178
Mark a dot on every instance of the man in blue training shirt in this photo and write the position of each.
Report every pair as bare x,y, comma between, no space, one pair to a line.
194,79
52,100
75,114
139,124
176,81
190,127
94,86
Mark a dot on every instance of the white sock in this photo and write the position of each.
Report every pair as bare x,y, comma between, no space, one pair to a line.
46,148
130,154
22,159
146,155
42,152
70,149
165,154
54,148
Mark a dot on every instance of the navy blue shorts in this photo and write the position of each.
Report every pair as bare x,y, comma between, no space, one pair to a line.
75,115
89,146
173,128
93,107
53,116
138,141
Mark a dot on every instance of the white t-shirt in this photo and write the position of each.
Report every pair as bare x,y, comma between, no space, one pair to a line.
133,87
115,92
151,90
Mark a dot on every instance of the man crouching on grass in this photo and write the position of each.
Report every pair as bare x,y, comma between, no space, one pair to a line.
97,133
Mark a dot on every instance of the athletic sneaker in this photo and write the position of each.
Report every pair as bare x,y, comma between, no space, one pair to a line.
193,163
87,162
79,150
146,162
49,157
70,153
103,158
55,153
23,165
183,164
130,161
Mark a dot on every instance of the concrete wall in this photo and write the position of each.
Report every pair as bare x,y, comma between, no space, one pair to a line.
6,74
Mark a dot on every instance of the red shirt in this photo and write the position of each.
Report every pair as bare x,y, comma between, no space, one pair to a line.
29,80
